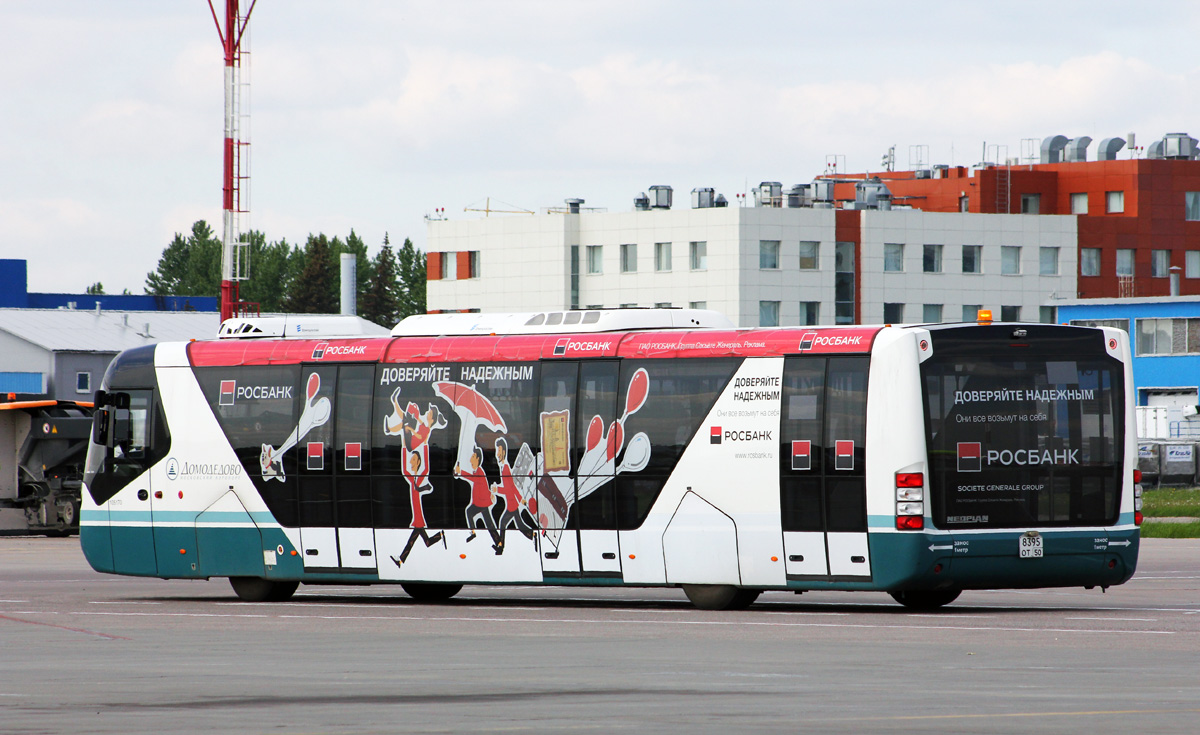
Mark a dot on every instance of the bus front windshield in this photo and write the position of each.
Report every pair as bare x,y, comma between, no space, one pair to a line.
1025,438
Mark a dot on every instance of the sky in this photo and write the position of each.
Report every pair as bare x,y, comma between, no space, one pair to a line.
373,114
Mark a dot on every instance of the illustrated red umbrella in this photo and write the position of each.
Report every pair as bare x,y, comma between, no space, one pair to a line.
466,398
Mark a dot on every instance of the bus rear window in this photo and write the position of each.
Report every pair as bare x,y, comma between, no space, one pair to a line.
1022,438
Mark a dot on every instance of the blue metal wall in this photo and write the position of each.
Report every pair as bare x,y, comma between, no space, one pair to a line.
1150,371
14,294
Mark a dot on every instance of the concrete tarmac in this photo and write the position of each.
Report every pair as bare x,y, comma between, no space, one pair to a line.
82,652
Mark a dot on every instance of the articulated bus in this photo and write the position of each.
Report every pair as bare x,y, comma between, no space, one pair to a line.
625,447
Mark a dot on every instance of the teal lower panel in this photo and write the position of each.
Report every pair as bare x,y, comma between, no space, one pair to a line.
96,543
230,552
133,551
990,561
178,556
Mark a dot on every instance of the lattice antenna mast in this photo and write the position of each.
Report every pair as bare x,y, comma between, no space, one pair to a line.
232,264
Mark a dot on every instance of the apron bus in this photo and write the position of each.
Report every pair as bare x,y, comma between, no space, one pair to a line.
641,448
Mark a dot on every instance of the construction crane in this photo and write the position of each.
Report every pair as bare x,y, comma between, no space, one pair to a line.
487,208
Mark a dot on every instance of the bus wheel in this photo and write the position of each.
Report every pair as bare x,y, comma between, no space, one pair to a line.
257,589
720,596
430,591
925,599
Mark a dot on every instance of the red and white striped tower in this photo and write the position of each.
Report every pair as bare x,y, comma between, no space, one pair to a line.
231,39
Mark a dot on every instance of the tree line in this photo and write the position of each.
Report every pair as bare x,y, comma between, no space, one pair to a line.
287,278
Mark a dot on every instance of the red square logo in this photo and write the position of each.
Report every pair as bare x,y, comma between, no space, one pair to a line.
353,456
228,389
970,456
714,435
844,451
316,455
802,455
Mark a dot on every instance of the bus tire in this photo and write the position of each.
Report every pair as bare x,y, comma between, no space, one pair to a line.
430,591
720,596
925,599
257,589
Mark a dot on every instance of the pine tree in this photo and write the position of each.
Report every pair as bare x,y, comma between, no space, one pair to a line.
380,303
314,289
189,266
410,264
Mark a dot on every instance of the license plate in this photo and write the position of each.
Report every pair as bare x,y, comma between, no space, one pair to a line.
1031,547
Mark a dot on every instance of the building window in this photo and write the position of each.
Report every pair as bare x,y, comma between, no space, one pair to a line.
893,257
662,256
1048,261
931,259
1079,203
1089,261
662,305
931,313
1191,206
964,204
1031,203
473,264
768,254
1114,201
1168,336
1048,314
809,256
629,258
1192,262
768,313
1125,262
574,297
698,252
1160,263
83,382
697,304
1010,313
893,313
449,266
843,283
628,306
1010,259
971,312
810,313
972,259
1115,323
595,259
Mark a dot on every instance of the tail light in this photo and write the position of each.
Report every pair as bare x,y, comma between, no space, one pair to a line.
910,501
1137,497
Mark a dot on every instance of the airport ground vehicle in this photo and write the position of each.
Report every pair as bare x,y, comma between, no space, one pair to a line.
647,448
43,444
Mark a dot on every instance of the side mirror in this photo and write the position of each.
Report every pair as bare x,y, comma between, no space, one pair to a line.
100,400
121,400
100,423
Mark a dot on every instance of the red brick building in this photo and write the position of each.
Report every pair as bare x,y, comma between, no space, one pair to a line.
1139,218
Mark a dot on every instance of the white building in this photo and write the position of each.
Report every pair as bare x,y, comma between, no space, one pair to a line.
761,266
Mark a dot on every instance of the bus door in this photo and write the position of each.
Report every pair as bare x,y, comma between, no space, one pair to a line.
129,459
577,413
822,472
333,440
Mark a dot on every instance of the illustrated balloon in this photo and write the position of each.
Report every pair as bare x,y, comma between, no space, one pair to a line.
595,432
639,386
616,438
314,385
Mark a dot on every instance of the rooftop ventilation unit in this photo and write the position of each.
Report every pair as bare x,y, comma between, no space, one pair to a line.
573,205
822,193
1179,146
768,194
1155,150
1052,148
702,198
720,201
941,171
298,326
872,194
660,197
799,196
559,322
1108,148
922,173
641,202
1076,150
